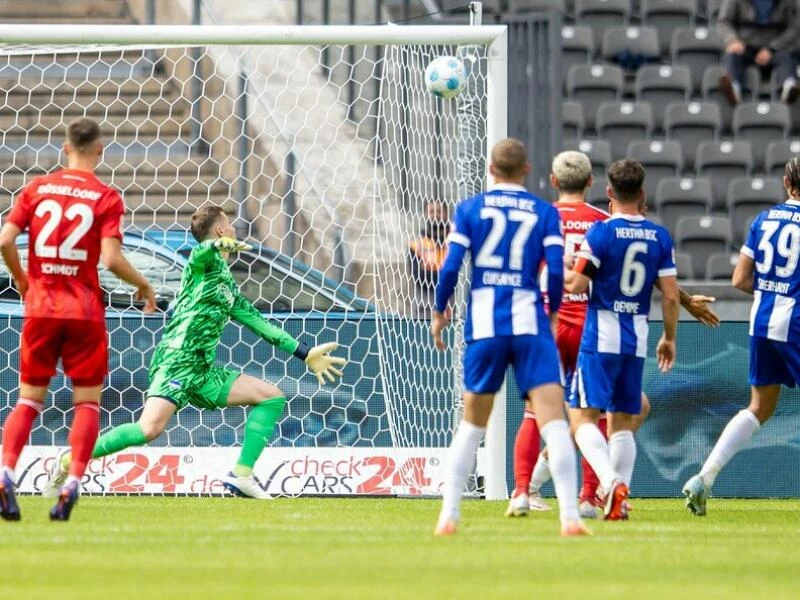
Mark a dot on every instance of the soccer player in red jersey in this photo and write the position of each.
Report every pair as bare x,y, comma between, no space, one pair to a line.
72,220
571,176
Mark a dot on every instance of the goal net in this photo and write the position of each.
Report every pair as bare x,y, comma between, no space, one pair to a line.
335,163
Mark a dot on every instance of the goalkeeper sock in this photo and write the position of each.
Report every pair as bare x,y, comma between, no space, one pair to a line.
17,430
541,472
119,438
594,447
82,436
590,480
257,432
622,452
526,450
459,462
563,466
735,435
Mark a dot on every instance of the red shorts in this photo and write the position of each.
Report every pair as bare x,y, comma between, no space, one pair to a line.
568,340
81,345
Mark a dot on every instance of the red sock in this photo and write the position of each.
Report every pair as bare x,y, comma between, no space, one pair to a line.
526,451
17,430
590,480
83,435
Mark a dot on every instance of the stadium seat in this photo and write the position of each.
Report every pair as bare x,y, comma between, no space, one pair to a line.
667,15
598,151
778,154
678,197
661,159
690,124
701,236
517,7
760,123
572,122
592,85
697,48
661,85
618,123
602,14
630,47
597,195
748,196
711,93
577,47
721,162
683,262
719,266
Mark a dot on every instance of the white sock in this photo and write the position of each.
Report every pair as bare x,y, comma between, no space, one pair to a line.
460,458
736,434
622,452
594,448
563,466
541,473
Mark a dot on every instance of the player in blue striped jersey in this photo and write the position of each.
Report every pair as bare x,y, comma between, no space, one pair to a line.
767,269
508,233
623,258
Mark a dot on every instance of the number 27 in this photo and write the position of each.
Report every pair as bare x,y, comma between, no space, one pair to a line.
486,258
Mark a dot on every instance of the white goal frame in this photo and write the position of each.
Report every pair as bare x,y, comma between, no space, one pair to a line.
494,37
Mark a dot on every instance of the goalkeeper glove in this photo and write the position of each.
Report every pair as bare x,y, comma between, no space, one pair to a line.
320,362
226,244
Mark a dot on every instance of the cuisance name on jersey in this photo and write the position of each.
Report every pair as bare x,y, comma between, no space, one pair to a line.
767,285
56,269
500,278
67,190
632,233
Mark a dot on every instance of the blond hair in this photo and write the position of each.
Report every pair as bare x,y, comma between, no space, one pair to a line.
572,171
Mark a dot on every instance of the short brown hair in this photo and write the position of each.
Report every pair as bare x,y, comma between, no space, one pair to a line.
82,133
792,173
203,220
626,178
509,158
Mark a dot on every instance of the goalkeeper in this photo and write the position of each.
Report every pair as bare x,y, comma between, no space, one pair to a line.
183,372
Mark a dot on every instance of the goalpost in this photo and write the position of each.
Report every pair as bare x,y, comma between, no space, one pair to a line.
325,146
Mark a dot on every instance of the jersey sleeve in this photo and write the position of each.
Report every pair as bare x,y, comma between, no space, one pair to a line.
666,265
553,242
458,242
245,313
201,254
20,214
592,252
111,217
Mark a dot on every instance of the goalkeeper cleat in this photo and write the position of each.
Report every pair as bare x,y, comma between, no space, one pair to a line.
67,498
518,506
536,502
57,474
446,527
696,493
575,529
616,508
9,509
244,487
587,510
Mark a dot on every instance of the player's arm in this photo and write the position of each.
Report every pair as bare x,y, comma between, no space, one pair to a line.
587,263
115,261
697,306
317,359
554,259
208,249
8,248
743,273
667,280
458,242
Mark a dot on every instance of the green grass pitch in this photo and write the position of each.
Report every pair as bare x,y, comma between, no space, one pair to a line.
116,548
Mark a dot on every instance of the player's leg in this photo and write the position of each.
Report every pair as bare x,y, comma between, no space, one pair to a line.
267,403
541,475
769,369
485,363
587,500
526,451
40,345
538,370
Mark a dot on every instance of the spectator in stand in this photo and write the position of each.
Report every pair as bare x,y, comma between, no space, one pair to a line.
425,257
761,33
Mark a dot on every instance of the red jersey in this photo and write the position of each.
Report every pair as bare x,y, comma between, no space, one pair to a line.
576,219
66,214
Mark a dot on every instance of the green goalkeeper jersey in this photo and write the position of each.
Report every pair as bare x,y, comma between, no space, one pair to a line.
208,299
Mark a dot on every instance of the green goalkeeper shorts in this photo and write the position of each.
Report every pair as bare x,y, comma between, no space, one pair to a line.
194,383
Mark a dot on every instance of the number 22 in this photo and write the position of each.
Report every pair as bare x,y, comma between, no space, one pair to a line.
52,211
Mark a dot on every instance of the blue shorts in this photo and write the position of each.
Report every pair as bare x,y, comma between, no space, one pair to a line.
534,358
774,362
610,382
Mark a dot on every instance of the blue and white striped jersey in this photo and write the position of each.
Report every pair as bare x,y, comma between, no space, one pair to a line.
774,244
508,232
624,256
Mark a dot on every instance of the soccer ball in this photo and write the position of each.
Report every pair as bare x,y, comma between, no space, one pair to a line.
446,77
